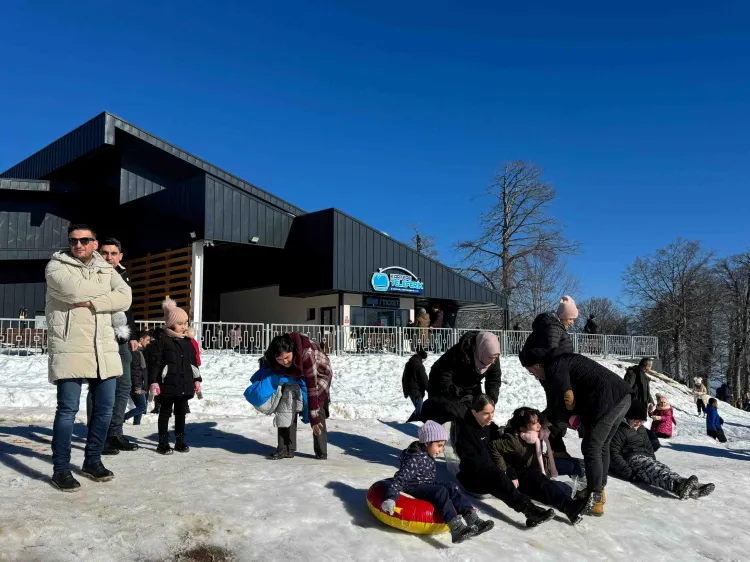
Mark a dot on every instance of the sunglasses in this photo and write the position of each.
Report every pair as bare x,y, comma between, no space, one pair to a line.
84,241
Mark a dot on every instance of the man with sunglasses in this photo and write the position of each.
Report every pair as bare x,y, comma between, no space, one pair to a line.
83,293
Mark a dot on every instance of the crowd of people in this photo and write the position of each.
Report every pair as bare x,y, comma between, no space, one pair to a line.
93,340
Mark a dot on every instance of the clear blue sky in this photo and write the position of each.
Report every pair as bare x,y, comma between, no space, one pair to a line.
399,112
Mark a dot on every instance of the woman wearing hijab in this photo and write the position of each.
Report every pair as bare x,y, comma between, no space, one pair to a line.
456,378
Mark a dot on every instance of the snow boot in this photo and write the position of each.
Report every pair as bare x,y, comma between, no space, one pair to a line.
65,482
683,487
179,443
702,491
281,453
321,456
594,501
604,496
97,472
164,448
110,448
460,531
574,510
536,515
473,520
121,443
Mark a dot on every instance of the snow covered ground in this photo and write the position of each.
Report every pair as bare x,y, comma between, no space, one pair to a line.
225,497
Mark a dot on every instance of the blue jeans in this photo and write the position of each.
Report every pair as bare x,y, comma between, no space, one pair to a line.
444,496
570,467
417,401
122,393
68,399
141,404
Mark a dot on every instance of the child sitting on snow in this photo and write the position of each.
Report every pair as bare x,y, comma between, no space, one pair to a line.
632,458
663,417
416,477
714,421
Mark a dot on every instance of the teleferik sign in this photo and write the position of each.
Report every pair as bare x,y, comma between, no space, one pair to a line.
400,280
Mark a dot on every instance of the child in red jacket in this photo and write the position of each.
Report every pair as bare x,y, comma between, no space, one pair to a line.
663,417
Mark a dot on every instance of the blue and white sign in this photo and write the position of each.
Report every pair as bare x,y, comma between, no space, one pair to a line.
396,279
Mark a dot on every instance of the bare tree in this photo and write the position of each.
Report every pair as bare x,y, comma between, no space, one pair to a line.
734,275
424,245
670,289
516,227
609,317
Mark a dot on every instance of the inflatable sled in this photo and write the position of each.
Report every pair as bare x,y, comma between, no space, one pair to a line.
411,515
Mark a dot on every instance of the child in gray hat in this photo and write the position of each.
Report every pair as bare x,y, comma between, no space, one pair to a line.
416,477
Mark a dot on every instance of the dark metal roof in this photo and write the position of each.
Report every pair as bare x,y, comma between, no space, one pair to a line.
14,184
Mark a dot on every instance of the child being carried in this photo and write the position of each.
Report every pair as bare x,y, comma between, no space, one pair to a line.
416,477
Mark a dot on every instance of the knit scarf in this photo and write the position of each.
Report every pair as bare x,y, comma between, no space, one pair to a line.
536,438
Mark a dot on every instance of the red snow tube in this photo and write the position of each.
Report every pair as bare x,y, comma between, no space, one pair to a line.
411,515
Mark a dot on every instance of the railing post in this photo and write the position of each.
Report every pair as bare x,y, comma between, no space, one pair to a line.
575,342
632,347
504,343
606,346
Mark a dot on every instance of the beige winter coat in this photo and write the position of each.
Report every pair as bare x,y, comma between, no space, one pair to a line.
81,341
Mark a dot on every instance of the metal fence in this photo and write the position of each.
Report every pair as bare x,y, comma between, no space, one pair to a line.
25,337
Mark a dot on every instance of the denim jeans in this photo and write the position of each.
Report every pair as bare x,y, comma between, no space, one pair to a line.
122,394
570,467
417,401
68,400
141,404
446,497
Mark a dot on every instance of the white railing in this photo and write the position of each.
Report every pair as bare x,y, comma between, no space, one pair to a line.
24,337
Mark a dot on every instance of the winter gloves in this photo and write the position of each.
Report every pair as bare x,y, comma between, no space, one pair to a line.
389,506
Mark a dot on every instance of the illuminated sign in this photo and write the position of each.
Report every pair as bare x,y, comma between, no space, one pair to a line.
396,279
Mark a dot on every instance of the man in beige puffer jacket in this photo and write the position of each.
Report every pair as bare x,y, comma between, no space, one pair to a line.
83,292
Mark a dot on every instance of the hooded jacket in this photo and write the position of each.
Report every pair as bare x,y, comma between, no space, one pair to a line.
414,380
626,444
81,341
172,364
417,467
640,383
513,455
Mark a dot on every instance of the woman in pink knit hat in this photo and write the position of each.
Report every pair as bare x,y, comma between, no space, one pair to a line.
173,375
549,330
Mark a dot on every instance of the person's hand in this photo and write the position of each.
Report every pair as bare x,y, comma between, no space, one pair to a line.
651,406
389,506
317,429
197,386
133,345
657,418
515,483
86,304
155,389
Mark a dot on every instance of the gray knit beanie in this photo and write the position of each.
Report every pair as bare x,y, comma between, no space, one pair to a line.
432,431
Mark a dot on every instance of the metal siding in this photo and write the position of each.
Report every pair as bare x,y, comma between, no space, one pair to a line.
134,186
237,217
15,184
245,218
80,141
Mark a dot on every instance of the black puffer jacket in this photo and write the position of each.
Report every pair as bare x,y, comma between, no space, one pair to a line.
640,384
627,443
454,375
414,380
473,446
550,335
596,390
139,371
177,355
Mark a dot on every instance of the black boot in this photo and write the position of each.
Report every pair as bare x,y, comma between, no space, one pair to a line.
164,448
157,408
684,487
110,448
179,443
473,520
64,481
460,531
574,510
702,491
281,453
97,472
121,443
536,515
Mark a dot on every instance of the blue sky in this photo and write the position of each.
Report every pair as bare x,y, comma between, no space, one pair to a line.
400,112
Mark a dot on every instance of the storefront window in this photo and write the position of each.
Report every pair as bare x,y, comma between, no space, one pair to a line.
362,316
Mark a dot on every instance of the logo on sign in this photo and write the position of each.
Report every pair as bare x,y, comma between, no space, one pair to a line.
396,279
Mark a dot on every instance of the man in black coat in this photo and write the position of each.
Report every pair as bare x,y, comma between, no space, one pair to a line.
455,379
414,382
575,384
637,379
591,326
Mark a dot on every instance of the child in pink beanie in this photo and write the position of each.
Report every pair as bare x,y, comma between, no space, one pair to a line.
567,310
416,477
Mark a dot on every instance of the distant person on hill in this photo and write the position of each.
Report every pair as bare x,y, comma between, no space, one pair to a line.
456,378
663,417
714,421
699,395
746,402
633,459
416,477
414,382
575,384
637,378
591,326
516,327
725,394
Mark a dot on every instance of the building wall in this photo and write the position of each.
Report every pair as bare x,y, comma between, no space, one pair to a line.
266,306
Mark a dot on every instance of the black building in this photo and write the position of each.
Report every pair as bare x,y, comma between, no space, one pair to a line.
232,251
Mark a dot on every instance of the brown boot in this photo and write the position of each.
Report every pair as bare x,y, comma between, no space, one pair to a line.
604,496
598,509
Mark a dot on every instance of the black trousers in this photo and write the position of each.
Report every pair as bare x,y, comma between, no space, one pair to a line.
287,436
595,444
540,488
701,406
718,434
495,482
166,412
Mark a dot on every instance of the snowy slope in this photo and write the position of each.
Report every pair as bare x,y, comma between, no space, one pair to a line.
225,494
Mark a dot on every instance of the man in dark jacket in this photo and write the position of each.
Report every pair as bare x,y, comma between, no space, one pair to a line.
591,327
633,458
414,382
111,250
725,394
575,384
637,379
456,378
